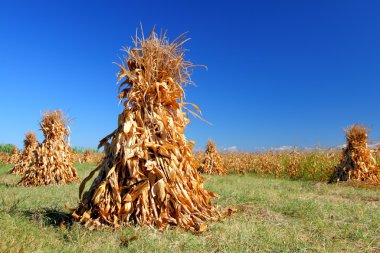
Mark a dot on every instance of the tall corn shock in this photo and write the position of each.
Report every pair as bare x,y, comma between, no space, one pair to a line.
212,164
148,175
28,156
15,154
358,162
54,158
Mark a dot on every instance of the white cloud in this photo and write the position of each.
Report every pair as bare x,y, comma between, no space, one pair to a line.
232,149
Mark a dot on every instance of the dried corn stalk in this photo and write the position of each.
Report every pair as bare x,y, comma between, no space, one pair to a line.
87,156
148,175
212,164
15,154
358,162
28,156
77,158
54,161
4,158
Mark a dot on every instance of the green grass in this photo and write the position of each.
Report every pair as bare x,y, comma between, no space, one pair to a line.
81,150
274,215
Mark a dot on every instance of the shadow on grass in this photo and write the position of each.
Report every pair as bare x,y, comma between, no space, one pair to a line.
9,185
50,217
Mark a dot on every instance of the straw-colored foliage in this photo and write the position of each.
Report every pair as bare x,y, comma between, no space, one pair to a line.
315,165
88,157
4,158
148,175
28,156
377,154
358,162
15,154
54,162
212,164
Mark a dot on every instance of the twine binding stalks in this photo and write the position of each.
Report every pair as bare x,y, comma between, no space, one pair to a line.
148,174
358,162
54,161
212,164
28,156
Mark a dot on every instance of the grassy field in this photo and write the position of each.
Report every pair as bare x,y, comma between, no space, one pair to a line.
274,215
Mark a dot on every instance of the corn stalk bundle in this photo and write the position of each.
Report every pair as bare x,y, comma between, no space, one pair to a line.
27,156
4,158
94,157
148,175
15,154
87,156
54,161
77,158
212,164
358,162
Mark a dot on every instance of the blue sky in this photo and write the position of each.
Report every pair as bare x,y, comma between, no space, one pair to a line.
279,73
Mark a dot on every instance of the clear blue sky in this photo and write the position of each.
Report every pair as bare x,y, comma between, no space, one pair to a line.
279,72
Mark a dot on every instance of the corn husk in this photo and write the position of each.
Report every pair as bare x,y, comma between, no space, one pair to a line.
358,162
148,175
28,156
212,164
54,162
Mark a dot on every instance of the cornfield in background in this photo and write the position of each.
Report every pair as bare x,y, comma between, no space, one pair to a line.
316,165
88,156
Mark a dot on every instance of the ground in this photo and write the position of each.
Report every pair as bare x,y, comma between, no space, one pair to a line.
274,215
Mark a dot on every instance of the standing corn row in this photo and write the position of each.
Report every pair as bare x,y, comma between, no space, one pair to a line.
148,175
28,156
358,162
54,162
212,164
